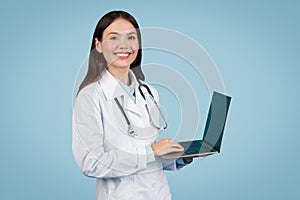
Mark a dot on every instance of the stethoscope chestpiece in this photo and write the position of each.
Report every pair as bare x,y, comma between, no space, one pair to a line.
131,131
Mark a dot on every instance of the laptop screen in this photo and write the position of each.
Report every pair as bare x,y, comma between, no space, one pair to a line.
216,119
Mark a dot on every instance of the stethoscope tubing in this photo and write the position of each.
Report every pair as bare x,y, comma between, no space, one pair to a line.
130,130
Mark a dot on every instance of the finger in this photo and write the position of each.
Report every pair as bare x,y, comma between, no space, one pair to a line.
177,145
176,149
188,159
174,142
180,148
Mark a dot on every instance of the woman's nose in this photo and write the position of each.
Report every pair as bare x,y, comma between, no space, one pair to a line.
123,43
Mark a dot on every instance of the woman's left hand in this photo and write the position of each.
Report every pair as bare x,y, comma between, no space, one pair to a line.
187,160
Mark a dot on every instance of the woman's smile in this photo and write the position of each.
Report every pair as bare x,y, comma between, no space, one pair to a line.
122,55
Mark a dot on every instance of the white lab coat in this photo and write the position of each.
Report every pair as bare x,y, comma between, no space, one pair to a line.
103,149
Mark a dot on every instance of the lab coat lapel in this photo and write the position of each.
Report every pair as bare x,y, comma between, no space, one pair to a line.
112,89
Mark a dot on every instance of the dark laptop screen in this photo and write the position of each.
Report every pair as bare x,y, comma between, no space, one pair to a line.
216,119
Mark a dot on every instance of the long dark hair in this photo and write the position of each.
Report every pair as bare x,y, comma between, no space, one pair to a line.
97,62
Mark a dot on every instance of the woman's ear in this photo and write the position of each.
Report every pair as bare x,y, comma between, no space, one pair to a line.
98,45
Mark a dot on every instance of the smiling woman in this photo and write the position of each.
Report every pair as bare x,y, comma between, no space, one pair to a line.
119,47
115,125
97,61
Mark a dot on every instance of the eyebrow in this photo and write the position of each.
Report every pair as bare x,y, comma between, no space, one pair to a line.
110,33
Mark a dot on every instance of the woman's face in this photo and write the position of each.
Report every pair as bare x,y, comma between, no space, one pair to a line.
119,44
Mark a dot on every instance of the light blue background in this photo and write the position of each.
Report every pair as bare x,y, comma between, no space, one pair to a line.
255,45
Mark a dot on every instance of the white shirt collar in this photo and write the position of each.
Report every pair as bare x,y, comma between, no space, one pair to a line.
112,87
131,88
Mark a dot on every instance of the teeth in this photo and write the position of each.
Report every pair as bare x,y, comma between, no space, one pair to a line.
122,54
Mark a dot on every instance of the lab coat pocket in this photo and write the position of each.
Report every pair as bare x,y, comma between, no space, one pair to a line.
119,188
164,189
164,193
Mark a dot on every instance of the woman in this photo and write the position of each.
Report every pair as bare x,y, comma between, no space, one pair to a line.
114,139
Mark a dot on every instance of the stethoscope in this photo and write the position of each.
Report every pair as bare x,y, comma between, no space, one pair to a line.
130,130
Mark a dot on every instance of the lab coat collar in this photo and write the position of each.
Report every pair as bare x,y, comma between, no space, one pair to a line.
112,89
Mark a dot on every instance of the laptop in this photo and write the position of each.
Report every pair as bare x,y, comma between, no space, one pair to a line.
213,132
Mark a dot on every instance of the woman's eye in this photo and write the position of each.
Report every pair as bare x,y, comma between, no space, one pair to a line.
113,38
132,37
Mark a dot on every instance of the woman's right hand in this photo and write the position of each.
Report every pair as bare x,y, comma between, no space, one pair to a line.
165,146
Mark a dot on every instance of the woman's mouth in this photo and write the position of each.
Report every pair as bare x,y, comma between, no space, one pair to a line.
122,55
